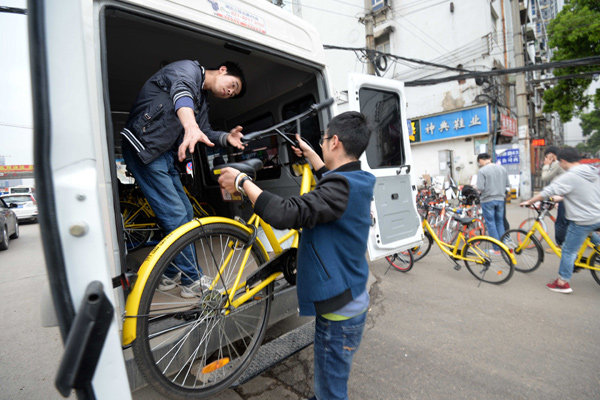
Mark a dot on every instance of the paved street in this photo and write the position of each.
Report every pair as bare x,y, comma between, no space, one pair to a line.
432,333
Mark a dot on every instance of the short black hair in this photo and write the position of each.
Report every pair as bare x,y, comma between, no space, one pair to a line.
353,130
552,149
569,154
234,69
483,156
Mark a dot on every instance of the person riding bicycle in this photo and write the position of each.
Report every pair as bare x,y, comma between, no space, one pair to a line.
168,118
550,172
580,188
332,270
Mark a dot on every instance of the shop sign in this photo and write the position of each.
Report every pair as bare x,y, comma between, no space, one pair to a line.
509,157
16,168
414,130
473,121
509,125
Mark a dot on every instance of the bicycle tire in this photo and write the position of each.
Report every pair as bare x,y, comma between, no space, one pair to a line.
174,351
595,261
490,267
529,258
402,261
449,231
527,224
422,250
133,214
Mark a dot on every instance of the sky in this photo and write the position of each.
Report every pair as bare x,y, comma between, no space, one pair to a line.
16,126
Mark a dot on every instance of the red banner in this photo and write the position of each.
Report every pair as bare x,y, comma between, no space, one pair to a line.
16,168
509,126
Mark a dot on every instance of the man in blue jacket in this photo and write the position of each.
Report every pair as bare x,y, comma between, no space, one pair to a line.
168,118
332,270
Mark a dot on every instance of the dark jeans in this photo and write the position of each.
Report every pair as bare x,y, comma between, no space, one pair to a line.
336,343
560,226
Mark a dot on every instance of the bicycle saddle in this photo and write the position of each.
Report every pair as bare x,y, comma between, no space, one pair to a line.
249,167
464,220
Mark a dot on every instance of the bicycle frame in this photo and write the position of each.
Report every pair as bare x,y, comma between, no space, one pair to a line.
580,261
446,247
134,298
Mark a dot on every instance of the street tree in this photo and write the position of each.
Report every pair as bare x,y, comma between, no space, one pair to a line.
590,126
574,33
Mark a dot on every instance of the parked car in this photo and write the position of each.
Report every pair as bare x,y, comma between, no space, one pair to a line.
26,206
9,224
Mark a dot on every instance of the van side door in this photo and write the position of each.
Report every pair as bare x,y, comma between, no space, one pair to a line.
396,225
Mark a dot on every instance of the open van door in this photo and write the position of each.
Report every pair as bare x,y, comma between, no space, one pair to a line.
396,225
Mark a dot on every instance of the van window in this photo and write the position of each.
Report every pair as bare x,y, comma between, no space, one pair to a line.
309,128
385,147
265,149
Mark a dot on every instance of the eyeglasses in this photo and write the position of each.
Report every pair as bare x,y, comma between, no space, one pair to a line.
324,139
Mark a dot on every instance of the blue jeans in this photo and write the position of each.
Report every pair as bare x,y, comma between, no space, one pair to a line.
161,184
493,214
336,343
576,235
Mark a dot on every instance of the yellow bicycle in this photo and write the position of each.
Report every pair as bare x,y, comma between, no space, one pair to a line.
139,221
486,258
195,348
530,254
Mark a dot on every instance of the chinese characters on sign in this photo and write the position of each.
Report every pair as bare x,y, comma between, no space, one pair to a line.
473,121
509,157
238,16
509,125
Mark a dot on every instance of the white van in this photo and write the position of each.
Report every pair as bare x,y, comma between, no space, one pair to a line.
89,60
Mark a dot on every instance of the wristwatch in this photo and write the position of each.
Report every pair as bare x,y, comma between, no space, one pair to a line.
239,182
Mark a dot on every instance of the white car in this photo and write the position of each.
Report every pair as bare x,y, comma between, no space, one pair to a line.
26,206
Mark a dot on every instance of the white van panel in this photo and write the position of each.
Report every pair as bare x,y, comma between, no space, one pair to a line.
396,225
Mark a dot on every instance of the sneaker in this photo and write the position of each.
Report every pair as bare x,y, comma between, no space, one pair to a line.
167,283
550,251
555,287
493,252
196,288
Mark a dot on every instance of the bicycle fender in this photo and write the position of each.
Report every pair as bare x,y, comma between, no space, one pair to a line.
497,242
133,300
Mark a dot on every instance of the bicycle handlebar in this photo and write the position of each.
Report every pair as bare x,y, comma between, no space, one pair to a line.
312,110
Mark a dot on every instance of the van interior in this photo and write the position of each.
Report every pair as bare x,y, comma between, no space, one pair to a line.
278,87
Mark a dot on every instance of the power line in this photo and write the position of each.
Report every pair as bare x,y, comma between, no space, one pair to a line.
496,72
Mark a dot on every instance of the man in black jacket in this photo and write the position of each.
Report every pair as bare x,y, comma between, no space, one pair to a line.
332,270
169,118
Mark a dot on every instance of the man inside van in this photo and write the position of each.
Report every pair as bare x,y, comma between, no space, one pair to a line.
332,270
168,118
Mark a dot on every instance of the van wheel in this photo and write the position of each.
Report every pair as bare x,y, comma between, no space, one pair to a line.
4,238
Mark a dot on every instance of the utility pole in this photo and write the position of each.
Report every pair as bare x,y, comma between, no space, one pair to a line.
369,37
525,187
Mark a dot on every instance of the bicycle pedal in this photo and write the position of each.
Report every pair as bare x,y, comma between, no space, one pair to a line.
457,267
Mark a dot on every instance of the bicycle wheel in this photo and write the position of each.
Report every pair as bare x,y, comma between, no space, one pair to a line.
528,224
402,261
595,262
195,348
450,230
530,257
485,263
422,250
475,228
137,225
